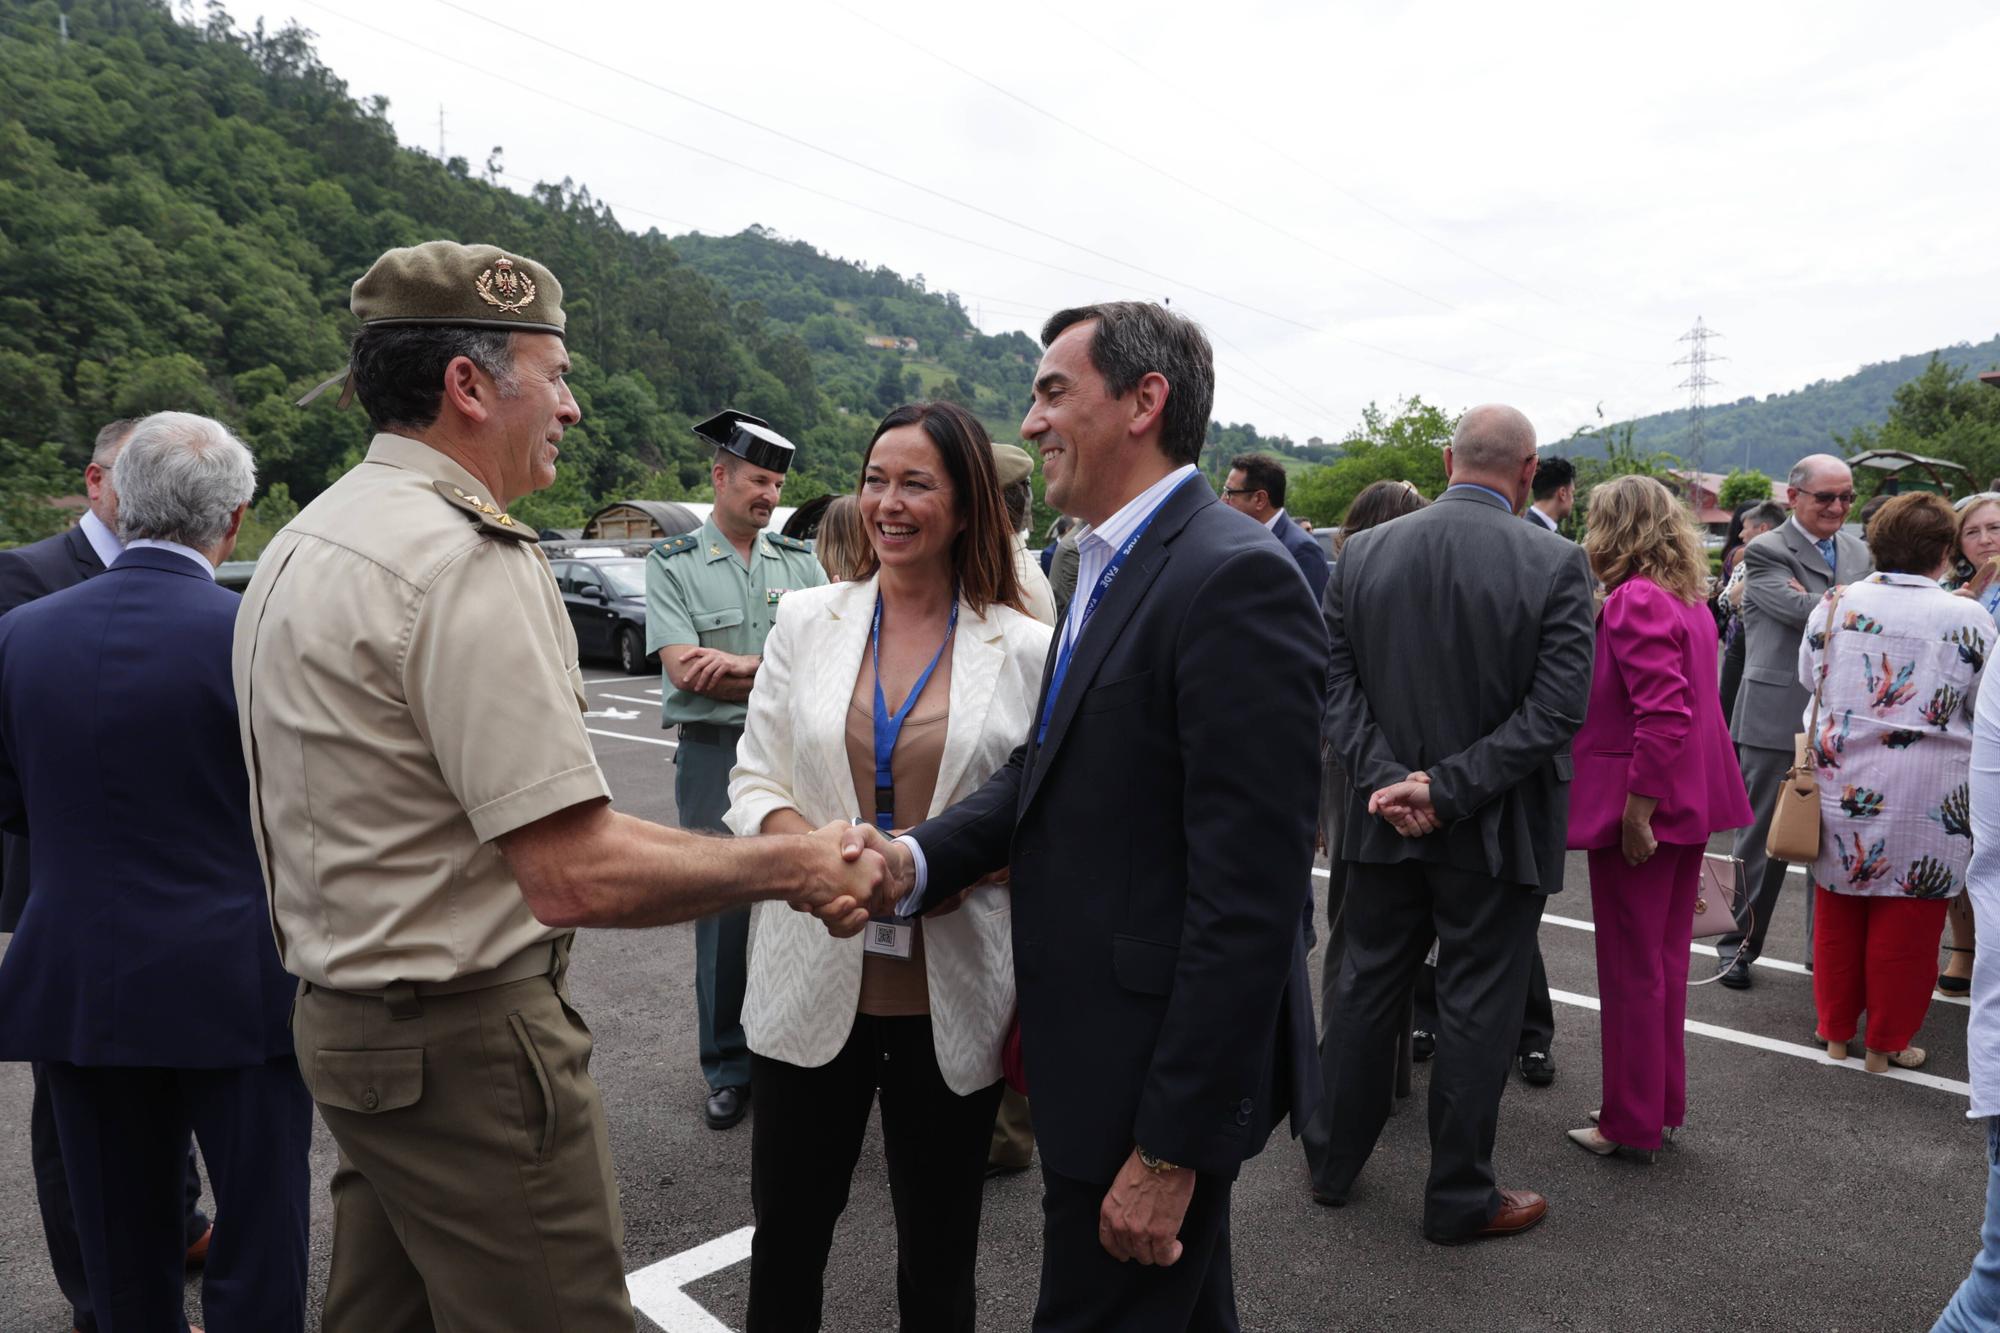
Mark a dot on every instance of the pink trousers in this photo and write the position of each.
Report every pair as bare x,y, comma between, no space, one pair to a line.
1645,921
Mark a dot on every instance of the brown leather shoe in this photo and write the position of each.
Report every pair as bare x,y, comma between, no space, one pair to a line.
1519,1211
197,1253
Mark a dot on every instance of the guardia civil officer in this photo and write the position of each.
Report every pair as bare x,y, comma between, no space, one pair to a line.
433,825
711,598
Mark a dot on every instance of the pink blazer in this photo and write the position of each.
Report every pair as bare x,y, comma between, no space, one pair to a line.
1655,724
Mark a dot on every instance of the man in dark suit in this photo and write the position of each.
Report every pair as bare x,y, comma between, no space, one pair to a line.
1461,655
26,574
1256,486
1159,827
142,978
1555,493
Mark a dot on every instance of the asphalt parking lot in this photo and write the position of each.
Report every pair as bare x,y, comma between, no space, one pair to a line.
1801,1196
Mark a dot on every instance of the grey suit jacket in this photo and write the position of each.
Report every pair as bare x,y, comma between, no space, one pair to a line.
1770,703
1461,646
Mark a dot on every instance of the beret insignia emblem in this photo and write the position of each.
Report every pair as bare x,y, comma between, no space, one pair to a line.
504,288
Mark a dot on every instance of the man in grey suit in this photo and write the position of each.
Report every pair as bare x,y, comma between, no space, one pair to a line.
1786,572
1455,727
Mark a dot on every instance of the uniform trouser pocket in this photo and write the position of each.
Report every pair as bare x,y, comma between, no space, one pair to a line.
544,1089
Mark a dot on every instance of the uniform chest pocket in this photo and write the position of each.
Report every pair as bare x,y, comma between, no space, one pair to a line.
716,622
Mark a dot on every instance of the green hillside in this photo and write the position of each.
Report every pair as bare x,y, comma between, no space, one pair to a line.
1771,433
184,206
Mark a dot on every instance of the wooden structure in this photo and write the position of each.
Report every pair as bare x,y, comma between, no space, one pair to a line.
1905,471
639,521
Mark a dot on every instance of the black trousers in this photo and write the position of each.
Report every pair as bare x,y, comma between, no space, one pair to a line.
124,1132
1085,1290
1486,934
59,1217
805,1139
1538,1014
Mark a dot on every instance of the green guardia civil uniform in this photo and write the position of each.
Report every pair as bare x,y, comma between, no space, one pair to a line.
700,591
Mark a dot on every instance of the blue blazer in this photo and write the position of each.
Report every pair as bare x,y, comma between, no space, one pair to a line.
26,573
1161,845
1312,560
147,940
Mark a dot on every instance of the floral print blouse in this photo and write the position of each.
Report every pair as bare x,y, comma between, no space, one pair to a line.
1894,745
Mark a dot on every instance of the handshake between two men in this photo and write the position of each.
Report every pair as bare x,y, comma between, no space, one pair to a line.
877,873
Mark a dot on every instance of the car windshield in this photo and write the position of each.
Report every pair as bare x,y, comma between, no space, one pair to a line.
626,577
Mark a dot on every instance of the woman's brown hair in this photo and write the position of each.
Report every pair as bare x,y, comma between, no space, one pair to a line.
1378,502
1913,534
842,543
982,557
1637,527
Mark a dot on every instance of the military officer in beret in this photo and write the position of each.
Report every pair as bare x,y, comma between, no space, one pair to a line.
711,598
433,826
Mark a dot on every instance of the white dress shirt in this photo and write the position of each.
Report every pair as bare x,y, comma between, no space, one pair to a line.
1095,545
1547,522
1982,885
1271,523
101,538
138,542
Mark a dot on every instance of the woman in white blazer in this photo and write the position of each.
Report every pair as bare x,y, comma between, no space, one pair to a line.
915,1011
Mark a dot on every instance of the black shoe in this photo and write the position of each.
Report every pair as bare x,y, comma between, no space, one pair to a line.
1537,1069
726,1106
1423,1045
1734,974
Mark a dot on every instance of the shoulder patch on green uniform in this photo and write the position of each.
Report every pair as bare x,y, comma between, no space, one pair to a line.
784,543
491,520
687,541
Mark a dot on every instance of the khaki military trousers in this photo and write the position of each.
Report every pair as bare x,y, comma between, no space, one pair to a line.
474,1192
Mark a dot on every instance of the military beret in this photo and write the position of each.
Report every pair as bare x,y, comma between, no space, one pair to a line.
1012,462
468,286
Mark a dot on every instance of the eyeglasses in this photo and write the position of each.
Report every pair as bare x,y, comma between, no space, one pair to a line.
1831,497
1241,490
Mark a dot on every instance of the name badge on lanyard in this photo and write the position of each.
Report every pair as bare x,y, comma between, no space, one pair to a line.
888,936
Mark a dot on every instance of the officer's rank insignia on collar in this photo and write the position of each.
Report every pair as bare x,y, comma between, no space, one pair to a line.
501,286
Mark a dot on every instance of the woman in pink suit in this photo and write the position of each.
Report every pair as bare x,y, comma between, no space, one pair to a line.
1655,777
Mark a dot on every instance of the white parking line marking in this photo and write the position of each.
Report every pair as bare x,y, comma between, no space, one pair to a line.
633,699
1816,1054
656,1289
615,714
615,680
643,740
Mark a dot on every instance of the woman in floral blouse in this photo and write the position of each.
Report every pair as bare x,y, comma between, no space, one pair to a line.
1896,679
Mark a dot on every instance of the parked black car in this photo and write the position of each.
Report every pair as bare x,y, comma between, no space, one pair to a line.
606,597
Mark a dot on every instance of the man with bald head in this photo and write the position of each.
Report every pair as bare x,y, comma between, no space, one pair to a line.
1786,572
1454,728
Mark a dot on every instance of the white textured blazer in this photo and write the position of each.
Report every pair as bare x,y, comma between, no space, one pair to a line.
804,985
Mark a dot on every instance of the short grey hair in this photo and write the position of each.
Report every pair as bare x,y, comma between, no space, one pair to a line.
1493,438
1803,471
180,477
1769,512
111,438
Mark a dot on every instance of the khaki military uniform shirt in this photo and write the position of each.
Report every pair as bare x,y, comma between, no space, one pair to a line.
407,684
699,591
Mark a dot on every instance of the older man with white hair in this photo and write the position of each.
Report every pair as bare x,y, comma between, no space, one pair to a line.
142,976
1786,572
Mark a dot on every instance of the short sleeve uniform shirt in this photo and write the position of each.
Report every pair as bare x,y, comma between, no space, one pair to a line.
699,591
407,683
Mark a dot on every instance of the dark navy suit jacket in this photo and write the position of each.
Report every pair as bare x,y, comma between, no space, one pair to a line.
26,573
147,940
1161,845
1312,560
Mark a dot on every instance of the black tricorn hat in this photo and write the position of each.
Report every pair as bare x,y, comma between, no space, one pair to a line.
749,438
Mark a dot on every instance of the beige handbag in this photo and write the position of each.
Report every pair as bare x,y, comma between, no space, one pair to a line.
1795,830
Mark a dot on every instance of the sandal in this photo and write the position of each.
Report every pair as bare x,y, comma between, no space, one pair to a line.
1910,1057
1950,986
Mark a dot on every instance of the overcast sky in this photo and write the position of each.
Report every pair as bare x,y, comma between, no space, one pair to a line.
1360,202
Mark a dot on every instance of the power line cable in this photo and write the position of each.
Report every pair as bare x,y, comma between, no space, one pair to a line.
938,231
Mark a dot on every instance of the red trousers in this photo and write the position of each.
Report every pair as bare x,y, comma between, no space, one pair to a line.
1877,954
1645,919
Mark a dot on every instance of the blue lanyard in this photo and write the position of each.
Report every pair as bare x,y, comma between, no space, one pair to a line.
889,726
1066,647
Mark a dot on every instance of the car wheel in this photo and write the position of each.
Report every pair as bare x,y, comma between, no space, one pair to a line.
631,652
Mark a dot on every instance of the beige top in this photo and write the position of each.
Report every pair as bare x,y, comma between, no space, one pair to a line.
1038,599
407,684
898,987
